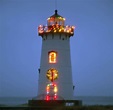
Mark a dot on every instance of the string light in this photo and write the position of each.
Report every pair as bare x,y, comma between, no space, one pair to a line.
56,28
56,24
52,57
55,90
52,74
47,97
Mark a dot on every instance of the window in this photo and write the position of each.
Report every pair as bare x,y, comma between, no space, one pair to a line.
52,57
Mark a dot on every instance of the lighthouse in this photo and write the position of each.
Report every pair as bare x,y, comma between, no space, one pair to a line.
55,72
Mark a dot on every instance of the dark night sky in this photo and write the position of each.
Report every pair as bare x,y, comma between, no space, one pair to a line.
91,46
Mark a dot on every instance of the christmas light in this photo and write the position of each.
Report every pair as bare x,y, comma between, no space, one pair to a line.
47,97
55,97
56,24
52,74
53,88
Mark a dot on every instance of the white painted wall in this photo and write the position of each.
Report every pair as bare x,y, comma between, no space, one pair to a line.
63,65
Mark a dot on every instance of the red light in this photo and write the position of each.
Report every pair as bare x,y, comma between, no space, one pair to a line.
55,85
47,97
55,97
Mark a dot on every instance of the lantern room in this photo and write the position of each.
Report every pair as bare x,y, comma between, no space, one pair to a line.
55,20
56,24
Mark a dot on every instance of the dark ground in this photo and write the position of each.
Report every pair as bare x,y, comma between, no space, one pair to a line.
96,107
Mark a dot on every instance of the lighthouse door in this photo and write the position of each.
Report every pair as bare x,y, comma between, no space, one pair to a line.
51,90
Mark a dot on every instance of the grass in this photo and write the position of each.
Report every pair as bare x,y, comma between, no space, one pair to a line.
96,107
3,105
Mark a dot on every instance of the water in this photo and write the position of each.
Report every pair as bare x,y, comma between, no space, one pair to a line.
96,100
86,100
13,101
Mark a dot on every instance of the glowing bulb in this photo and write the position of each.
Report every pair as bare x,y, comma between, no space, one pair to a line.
48,19
55,85
47,87
59,30
67,31
64,19
47,97
55,89
55,97
55,74
55,94
73,27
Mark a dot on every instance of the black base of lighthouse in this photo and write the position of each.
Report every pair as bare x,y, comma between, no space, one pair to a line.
54,103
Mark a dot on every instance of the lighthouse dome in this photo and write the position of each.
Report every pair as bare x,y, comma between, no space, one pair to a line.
55,19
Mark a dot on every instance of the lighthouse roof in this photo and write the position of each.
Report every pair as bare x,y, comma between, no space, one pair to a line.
56,15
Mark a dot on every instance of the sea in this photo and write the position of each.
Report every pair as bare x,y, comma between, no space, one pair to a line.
86,100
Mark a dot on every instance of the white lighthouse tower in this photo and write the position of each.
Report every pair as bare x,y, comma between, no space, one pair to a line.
55,73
